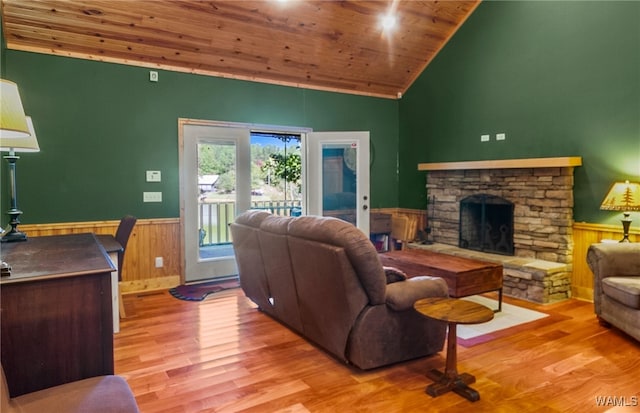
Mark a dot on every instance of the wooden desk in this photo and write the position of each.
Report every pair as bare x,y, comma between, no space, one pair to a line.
113,248
56,316
453,312
463,276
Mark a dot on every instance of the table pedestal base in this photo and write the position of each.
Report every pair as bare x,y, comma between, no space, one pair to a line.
459,384
450,380
453,312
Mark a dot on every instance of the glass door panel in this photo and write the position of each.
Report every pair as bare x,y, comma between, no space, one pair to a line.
339,181
276,173
217,198
214,188
339,176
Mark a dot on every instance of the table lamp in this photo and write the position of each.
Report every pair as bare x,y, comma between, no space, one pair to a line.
13,122
625,197
13,145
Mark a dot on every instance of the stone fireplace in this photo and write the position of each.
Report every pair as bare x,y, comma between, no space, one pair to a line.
540,191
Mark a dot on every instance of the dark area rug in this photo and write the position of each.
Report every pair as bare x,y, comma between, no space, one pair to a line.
200,291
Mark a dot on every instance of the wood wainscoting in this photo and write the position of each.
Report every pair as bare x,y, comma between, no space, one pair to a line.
161,238
150,238
585,234
158,238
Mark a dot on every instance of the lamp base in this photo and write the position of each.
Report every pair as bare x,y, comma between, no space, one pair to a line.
13,236
626,223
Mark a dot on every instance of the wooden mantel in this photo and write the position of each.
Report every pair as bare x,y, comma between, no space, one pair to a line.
562,162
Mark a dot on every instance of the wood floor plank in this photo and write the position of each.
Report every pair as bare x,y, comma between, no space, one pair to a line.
224,355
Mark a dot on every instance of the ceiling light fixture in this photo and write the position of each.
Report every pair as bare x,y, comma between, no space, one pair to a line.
388,22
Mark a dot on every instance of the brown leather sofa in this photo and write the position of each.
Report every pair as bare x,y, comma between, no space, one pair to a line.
616,285
322,278
103,394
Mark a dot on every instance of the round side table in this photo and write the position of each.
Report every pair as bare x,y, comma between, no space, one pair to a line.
452,311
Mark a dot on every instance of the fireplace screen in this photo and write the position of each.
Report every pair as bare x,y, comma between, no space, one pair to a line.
486,224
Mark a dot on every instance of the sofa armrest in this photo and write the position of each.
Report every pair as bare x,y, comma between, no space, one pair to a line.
614,260
402,295
394,274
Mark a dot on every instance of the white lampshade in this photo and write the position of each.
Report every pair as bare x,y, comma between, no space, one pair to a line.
13,122
28,144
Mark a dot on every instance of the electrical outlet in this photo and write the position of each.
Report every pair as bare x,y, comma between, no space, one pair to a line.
152,197
153,76
501,136
159,262
485,138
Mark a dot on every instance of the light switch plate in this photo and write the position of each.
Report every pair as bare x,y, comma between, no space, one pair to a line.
501,136
154,176
485,138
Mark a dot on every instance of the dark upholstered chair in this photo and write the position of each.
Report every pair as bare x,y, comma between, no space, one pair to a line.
102,394
122,236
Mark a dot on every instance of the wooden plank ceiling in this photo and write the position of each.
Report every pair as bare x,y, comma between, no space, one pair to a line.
326,45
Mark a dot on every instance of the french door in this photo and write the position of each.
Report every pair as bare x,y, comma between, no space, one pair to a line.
208,252
338,176
228,168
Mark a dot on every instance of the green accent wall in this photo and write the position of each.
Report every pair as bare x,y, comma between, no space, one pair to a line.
560,78
100,126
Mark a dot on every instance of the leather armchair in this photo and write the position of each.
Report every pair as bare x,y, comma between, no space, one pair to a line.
616,285
102,394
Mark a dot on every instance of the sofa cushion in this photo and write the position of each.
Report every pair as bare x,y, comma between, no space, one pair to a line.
252,218
625,290
246,246
359,249
329,292
277,268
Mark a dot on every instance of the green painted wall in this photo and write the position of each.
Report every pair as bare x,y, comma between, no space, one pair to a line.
100,126
559,78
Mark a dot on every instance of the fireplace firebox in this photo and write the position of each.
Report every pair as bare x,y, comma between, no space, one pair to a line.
486,224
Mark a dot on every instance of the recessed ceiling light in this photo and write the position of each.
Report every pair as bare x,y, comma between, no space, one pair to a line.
388,21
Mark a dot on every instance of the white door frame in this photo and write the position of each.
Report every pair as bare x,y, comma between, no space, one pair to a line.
188,130
314,144
191,134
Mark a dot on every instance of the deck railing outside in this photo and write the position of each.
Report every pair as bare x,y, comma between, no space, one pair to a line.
215,217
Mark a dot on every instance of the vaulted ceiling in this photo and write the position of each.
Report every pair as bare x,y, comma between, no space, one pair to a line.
327,45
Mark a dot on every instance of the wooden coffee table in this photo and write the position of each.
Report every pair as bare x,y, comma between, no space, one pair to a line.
463,276
453,312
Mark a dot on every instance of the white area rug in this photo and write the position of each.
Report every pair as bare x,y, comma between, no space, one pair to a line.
510,316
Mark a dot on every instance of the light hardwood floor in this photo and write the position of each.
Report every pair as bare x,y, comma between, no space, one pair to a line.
223,355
